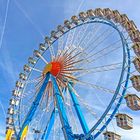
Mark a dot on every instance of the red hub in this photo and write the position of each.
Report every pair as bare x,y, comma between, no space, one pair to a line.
55,68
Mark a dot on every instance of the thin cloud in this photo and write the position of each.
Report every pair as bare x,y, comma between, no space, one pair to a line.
4,24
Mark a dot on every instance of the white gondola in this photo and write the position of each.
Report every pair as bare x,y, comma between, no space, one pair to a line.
68,24
22,76
133,26
19,84
31,60
60,28
134,35
48,41
129,25
27,68
107,13
124,19
99,12
75,20
108,135
116,16
83,16
90,13
37,53
16,93
14,102
136,48
135,79
11,110
133,101
9,120
42,47
136,63
124,121
9,127
54,35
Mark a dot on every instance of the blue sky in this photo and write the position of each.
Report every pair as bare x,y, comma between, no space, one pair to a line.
27,24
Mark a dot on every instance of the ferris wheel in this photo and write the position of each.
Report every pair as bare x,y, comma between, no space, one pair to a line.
73,85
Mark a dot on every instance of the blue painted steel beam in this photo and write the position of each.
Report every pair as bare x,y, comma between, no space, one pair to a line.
49,126
62,112
78,110
34,105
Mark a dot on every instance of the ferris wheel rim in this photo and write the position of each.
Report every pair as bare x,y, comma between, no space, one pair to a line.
104,22
107,22
110,23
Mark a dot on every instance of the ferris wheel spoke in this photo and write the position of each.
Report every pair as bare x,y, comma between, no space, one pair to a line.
38,119
67,53
70,38
106,53
110,46
36,69
82,101
37,85
69,77
80,35
89,36
29,100
60,82
72,58
102,68
100,39
52,53
83,38
69,71
43,59
69,65
106,34
101,53
60,45
89,108
45,96
38,79
106,90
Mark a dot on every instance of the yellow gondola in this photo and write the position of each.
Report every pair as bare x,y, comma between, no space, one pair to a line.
9,134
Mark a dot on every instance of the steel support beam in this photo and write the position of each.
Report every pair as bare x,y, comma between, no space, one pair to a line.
34,105
62,112
78,110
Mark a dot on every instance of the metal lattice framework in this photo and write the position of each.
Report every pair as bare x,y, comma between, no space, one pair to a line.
84,64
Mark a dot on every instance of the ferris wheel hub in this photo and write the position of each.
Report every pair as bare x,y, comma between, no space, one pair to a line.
53,67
